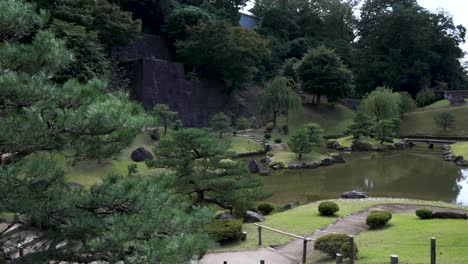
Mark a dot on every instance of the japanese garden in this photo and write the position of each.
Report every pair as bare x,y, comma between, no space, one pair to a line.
233,132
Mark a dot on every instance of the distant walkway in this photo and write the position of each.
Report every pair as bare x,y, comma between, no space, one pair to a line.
291,252
429,140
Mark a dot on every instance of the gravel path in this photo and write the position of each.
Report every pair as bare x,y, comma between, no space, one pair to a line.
291,252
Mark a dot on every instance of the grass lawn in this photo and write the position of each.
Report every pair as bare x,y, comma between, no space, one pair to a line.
441,103
305,220
460,149
409,238
288,157
334,119
242,144
422,123
348,141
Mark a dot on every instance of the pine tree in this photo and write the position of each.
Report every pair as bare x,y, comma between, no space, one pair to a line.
131,219
205,172
220,123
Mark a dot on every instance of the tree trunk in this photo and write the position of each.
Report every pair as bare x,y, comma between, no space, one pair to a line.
275,113
220,134
318,99
300,156
165,126
200,197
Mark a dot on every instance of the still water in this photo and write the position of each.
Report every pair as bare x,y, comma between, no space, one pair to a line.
419,173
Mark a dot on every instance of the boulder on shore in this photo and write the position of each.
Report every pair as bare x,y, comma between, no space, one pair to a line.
253,217
311,166
295,166
354,195
288,206
225,216
400,145
361,146
326,162
337,158
462,163
141,154
266,172
253,166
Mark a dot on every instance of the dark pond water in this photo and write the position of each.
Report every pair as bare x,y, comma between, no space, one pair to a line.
418,173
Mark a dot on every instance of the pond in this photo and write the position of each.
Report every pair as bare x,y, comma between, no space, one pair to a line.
418,173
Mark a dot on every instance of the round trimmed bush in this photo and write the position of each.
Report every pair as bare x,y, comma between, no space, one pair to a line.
266,208
424,213
328,208
278,140
224,230
335,243
267,136
268,129
378,219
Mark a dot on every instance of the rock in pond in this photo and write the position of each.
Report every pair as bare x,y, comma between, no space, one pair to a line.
266,172
337,159
461,163
354,195
326,162
141,154
295,166
400,145
253,217
253,166
458,158
361,146
311,166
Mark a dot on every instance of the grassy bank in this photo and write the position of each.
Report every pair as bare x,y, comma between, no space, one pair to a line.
305,220
460,149
348,141
422,123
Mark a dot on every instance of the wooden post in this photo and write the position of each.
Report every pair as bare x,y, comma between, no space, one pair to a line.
304,252
244,236
433,250
351,249
339,258
259,235
262,262
224,262
394,259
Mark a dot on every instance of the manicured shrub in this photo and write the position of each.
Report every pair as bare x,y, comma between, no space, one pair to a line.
267,148
266,208
328,208
335,243
424,213
267,136
269,129
278,140
285,129
224,230
378,219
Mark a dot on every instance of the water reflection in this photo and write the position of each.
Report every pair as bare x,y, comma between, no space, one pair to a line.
417,173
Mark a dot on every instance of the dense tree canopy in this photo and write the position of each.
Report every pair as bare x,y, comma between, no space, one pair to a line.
220,51
403,46
382,104
323,73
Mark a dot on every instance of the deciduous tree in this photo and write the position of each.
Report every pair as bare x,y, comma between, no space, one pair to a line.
220,123
300,142
382,104
444,120
164,115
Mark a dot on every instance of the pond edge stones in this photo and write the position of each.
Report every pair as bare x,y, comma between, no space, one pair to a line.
448,156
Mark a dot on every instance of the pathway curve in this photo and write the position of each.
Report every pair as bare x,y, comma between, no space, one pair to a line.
291,252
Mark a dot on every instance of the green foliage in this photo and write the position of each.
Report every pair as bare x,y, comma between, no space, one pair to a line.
323,73
289,68
164,115
425,97
220,123
335,243
285,129
378,219
180,23
407,104
178,125
90,60
387,129
114,27
361,125
278,97
403,45
315,132
266,208
243,123
219,51
328,208
278,140
382,103
205,171
224,230
444,120
424,213
300,142
132,169
267,136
